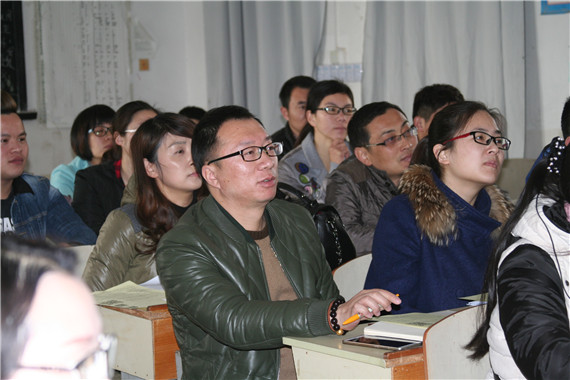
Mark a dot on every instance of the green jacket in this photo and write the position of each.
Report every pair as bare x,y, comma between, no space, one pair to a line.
114,258
213,276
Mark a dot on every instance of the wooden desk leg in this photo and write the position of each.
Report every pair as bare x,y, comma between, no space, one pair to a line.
165,348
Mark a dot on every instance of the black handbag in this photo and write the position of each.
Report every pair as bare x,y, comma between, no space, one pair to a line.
334,238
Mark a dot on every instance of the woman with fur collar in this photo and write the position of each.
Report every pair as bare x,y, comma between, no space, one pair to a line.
432,242
526,327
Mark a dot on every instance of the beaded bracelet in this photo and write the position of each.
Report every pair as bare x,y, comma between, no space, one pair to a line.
333,321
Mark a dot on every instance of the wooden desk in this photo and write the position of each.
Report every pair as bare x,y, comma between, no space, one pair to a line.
327,357
146,344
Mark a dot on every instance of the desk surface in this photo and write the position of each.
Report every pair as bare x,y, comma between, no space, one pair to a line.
332,345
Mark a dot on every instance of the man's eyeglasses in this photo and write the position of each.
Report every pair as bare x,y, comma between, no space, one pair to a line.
334,110
484,138
98,365
253,153
392,141
99,131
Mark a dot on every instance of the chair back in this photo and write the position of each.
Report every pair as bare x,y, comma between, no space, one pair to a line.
82,252
444,352
350,276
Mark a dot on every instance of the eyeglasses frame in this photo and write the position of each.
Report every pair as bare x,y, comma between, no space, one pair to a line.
412,129
492,138
340,109
92,130
261,149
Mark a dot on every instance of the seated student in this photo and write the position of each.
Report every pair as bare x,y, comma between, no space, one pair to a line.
91,138
293,97
192,112
241,269
50,326
526,326
98,189
330,105
432,242
31,208
430,100
166,186
383,142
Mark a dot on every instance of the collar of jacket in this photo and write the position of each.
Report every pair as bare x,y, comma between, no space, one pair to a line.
435,215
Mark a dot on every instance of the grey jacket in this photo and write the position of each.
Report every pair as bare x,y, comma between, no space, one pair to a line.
359,193
211,269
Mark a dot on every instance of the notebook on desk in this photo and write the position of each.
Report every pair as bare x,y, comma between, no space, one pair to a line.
409,326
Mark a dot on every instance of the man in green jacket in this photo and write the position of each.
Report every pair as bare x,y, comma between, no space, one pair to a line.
242,270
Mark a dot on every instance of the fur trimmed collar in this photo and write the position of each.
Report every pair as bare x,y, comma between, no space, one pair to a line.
435,215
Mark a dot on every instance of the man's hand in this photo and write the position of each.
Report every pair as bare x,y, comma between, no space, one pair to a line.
338,151
367,303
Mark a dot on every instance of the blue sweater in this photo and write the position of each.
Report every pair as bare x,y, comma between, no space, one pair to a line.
431,276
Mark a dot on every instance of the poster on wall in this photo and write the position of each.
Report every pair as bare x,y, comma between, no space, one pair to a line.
84,58
554,7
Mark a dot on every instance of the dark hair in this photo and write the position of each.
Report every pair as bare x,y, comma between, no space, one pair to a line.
8,103
124,115
565,119
23,264
446,124
300,81
357,133
192,112
430,98
206,132
87,119
123,118
324,88
153,210
541,181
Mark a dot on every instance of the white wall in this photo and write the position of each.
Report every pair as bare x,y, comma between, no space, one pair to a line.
177,75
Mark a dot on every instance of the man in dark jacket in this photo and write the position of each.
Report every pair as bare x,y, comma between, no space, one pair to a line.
383,142
242,270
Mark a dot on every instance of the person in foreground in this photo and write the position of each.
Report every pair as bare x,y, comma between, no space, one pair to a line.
50,325
31,208
526,327
166,186
432,241
241,269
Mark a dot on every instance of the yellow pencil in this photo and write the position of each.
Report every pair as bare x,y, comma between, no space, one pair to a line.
356,317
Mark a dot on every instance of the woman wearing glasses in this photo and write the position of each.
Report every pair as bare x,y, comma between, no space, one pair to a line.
432,241
330,105
167,184
91,139
98,189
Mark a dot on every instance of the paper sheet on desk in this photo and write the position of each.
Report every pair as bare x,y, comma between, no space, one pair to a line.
129,295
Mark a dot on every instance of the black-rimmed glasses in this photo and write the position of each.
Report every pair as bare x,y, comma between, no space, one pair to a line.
392,141
334,110
253,153
484,138
99,131
97,365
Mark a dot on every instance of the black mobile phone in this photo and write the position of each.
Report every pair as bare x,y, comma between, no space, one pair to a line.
385,343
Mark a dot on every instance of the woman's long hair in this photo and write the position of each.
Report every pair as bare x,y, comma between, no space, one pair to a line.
153,209
541,182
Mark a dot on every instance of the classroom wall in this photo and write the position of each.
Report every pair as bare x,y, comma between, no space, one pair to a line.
177,71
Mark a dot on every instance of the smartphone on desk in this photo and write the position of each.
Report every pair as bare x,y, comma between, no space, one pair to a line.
385,343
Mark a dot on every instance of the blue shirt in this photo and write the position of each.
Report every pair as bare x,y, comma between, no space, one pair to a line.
63,176
39,211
